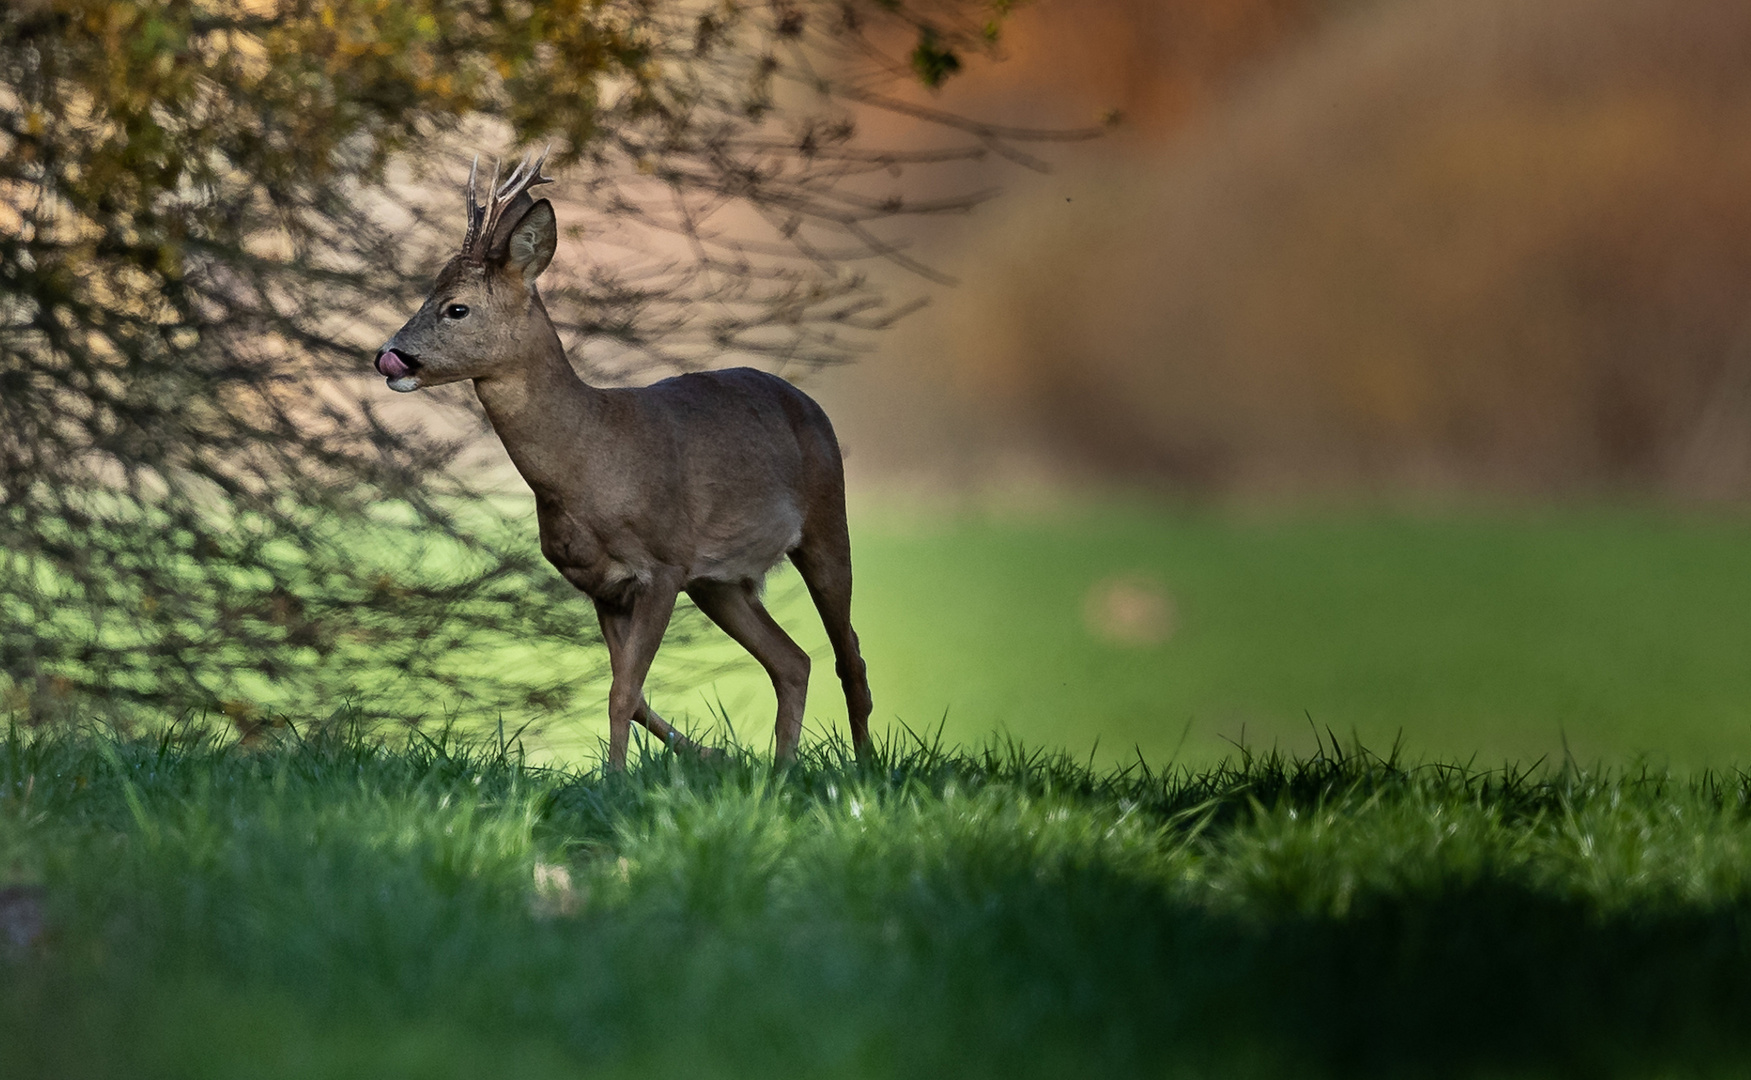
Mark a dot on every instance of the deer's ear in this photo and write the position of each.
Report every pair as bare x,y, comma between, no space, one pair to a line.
530,246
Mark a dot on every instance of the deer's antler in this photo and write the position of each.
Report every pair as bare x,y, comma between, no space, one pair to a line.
485,218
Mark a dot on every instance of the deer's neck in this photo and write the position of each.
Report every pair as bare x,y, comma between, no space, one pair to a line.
541,411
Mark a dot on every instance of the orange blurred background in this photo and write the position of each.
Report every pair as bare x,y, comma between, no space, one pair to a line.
1376,245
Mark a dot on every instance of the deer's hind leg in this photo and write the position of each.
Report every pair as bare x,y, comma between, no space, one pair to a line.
824,561
633,632
736,608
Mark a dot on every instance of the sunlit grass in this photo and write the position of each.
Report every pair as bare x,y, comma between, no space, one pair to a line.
332,905
1609,633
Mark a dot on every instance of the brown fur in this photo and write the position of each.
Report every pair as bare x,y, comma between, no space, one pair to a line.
700,483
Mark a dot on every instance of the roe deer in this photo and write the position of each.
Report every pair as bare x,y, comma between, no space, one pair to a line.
703,482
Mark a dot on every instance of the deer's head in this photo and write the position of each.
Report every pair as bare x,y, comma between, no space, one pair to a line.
484,304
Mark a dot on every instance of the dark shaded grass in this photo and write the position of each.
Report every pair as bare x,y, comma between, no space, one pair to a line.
337,905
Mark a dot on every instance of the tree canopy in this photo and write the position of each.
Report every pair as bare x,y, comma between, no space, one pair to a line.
206,207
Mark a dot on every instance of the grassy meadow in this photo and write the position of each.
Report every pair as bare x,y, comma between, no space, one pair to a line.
333,906
1613,635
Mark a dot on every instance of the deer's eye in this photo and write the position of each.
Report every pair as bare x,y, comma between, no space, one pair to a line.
456,311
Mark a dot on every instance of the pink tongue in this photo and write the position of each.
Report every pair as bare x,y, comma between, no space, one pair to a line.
391,365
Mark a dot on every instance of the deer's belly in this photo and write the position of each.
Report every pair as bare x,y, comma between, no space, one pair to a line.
612,567
749,555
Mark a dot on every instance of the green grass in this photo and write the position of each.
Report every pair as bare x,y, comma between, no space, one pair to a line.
1625,633
334,907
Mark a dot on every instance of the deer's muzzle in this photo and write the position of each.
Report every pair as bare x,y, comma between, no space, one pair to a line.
392,365
398,369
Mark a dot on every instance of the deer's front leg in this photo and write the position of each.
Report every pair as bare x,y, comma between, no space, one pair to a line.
614,623
633,632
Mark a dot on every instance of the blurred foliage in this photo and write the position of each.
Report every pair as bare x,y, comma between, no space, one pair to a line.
1491,247
205,206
